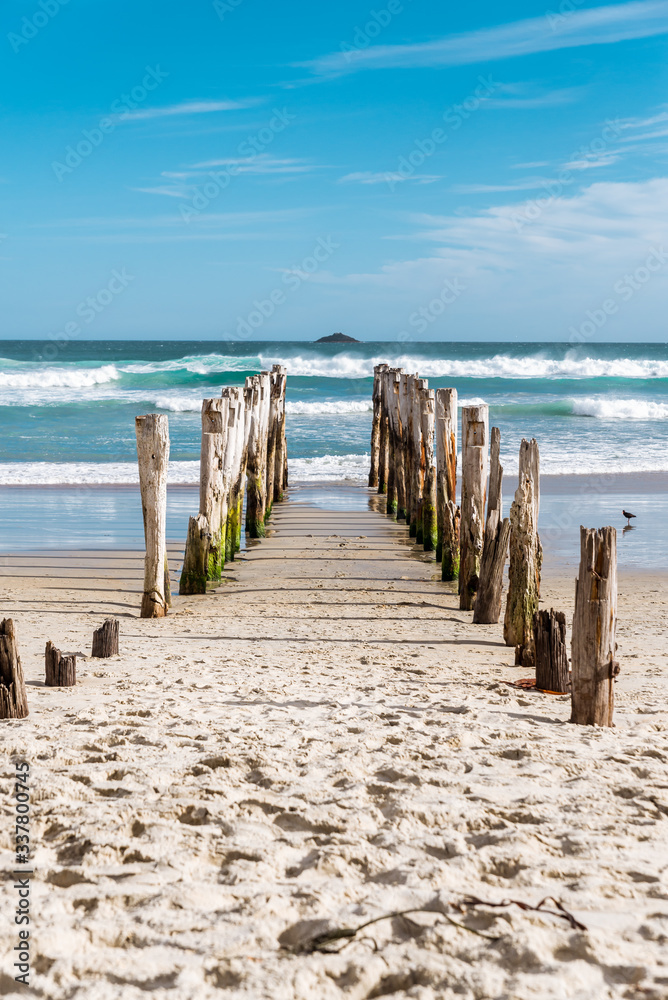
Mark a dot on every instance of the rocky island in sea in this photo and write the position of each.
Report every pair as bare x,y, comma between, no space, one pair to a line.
337,338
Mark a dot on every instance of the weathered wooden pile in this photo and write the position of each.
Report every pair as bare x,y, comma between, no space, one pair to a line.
414,463
243,453
243,447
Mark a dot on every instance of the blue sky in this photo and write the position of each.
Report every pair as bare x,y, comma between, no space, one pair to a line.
245,168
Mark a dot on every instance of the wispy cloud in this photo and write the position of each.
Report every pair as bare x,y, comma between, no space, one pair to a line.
515,97
592,161
190,108
597,26
183,183
169,192
216,226
531,184
261,164
635,126
369,177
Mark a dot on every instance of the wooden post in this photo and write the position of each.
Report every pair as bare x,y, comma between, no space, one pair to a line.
404,424
257,457
549,636
105,639
451,536
594,629
196,557
13,699
167,581
445,428
375,425
265,413
232,462
395,473
383,432
526,556
474,481
254,505
495,546
428,412
152,433
211,485
61,670
413,454
275,451
420,386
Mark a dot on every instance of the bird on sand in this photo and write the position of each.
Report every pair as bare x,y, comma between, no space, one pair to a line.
628,517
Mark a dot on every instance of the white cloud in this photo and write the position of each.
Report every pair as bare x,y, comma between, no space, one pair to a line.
156,228
261,164
537,281
389,177
634,126
197,173
527,102
592,161
528,185
189,108
596,26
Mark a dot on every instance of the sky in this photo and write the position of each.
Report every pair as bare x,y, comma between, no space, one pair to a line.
253,170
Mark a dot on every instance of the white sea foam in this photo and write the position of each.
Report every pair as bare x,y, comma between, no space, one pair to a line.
56,378
88,473
619,409
178,404
329,468
198,364
500,366
333,407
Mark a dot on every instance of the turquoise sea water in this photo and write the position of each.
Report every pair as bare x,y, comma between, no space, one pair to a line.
67,409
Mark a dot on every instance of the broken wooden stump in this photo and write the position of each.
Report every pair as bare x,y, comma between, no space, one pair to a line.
196,557
593,647
152,431
526,556
13,699
105,639
474,483
61,668
487,609
549,634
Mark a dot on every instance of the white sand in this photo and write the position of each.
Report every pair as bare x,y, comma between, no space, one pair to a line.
326,739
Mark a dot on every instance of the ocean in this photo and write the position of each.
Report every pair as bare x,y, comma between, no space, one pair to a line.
67,408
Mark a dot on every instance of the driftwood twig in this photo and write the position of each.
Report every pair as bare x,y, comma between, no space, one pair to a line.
326,941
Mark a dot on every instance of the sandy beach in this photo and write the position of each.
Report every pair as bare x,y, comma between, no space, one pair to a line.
325,739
